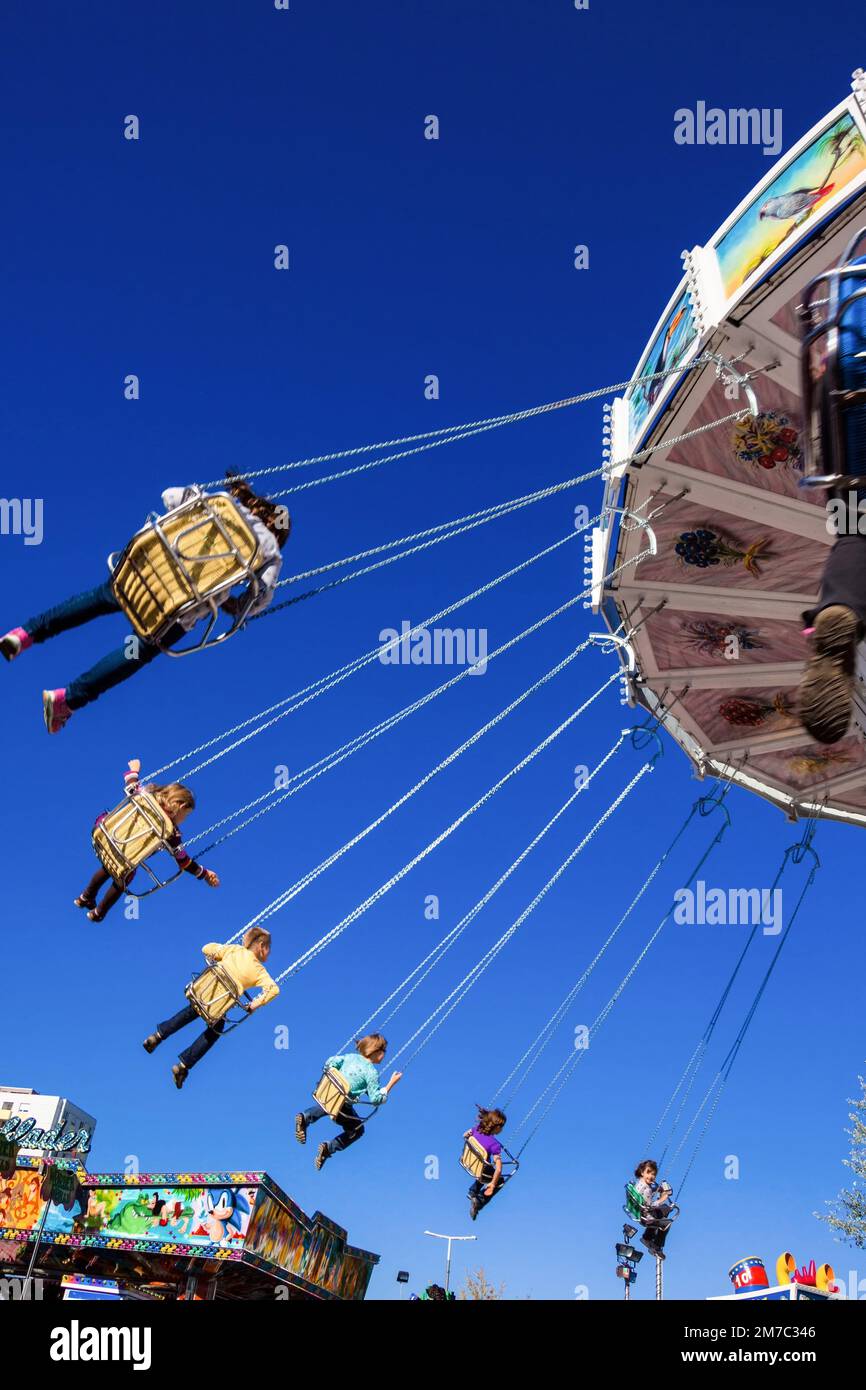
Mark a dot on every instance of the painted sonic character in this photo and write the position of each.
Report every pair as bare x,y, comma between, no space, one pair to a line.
222,1214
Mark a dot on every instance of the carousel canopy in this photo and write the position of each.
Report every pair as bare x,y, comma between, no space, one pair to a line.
712,597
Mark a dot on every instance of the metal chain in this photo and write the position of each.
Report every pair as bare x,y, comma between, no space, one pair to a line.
401,873
324,683
563,1074
477,518
391,458
452,432
462,989
339,755
318,687
420,972
312,874
562,1009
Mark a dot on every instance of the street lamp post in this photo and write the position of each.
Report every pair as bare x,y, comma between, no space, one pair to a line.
450,1240
627,1260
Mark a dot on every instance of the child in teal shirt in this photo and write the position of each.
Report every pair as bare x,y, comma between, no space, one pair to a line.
359,1071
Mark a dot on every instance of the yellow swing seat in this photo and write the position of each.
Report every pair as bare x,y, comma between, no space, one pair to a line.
478,1163
332,1093
213,994
193,555
128,835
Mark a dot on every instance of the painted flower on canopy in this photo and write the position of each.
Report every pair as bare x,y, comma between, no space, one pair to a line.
822,760
702,548
748,711
770,441
713,638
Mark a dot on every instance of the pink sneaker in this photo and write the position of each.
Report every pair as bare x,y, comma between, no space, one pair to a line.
56,711
14,643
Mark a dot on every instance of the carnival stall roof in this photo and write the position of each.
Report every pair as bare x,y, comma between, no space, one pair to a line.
238,1234
712,614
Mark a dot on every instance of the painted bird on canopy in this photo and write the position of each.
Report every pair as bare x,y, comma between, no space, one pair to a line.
787,205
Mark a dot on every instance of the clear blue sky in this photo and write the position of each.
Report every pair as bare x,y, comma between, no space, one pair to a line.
409,257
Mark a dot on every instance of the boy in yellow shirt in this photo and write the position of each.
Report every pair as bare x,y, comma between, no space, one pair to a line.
245,966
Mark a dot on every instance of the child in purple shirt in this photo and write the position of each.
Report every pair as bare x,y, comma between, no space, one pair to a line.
489,1124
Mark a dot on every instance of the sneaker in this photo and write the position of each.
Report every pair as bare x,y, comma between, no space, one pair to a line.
84,901
55,709
827,686
180,1073
94,915
322,1157
14,643
474,1208
300,1129
151,1042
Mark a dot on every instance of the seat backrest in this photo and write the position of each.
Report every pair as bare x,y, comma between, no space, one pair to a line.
332,1092
633,1201
205,548
212,993
129,834
474,1157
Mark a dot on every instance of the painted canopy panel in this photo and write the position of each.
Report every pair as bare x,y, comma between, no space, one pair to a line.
768,709
705,639
797,193
765,453
704,545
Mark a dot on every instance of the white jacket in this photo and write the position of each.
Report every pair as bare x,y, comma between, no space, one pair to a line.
269,560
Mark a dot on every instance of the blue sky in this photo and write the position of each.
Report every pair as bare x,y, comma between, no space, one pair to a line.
408,257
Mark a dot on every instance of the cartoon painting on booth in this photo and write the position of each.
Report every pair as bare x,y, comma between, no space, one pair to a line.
208,1216
667,350
795,196
21,1205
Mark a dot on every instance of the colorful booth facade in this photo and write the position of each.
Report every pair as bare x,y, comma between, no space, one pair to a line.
235,1235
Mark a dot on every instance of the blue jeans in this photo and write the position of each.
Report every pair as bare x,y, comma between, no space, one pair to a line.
349,1121
117,666
478,1189
203,1043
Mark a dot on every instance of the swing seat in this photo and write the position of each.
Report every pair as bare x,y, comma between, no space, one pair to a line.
128,835
213,994
634,1206
332,1093
193,556
834,372
477,1161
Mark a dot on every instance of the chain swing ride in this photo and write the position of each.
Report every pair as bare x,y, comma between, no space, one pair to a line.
708,544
